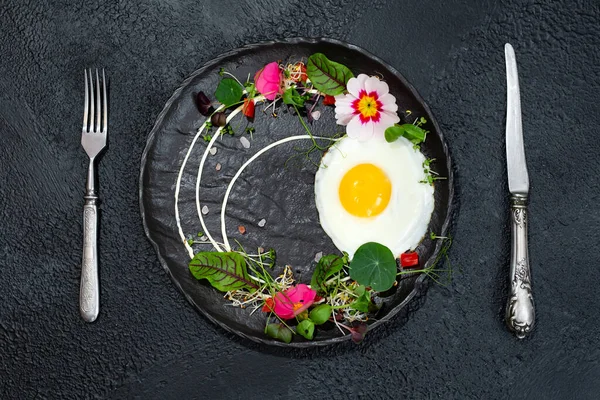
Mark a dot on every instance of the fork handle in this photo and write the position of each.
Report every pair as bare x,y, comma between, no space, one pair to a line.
89,293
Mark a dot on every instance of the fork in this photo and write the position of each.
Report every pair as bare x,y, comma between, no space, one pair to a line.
93,140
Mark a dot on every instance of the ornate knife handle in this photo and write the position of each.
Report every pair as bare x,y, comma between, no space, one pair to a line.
89,294
520,311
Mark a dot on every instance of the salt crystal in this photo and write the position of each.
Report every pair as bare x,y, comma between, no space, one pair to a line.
316,115
213,151
218,167
205,210
318,256
245,142
262,222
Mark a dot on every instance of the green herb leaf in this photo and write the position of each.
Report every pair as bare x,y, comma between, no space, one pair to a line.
363,300
229,91
327,76
224,271
293,98
279,331
327,266
320,314
412,132
374,265
306,328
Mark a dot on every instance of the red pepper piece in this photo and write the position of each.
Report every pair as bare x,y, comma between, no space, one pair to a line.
408,260
328,100
248,108
269,305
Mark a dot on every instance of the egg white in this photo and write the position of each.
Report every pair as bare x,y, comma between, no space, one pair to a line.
403,223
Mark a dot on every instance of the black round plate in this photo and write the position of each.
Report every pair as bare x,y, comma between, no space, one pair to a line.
281,193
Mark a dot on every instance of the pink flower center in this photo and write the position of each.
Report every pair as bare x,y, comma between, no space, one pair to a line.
367,106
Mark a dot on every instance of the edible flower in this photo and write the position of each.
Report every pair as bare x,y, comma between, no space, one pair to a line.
268,80
293,301
368,108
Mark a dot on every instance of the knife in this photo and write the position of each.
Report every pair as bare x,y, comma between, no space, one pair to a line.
520,311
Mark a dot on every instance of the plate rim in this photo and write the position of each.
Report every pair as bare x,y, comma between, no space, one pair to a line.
297,40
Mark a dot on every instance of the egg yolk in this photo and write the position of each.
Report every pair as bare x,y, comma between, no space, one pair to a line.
365,190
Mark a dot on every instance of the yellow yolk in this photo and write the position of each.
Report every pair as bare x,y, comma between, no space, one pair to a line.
365,190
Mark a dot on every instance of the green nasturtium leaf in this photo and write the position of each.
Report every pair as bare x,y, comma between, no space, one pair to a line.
412,132
224,271
374,265
320,314
306,328
363,300
327,76
280,332
229,91
326,267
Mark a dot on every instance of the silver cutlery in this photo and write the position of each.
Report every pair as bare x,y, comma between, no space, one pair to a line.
93,140
520,311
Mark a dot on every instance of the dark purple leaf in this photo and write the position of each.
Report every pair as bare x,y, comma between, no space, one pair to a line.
203,103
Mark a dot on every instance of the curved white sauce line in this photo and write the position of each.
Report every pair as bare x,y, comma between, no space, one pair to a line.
178,186
199,178
229,188
239,172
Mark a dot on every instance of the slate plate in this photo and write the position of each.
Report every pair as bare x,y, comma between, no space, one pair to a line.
281,193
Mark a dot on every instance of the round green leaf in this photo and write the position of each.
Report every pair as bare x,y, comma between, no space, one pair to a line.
320,314
306,328
229,91
374,265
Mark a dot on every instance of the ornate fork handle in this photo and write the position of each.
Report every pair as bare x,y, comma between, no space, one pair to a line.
520,311
89,293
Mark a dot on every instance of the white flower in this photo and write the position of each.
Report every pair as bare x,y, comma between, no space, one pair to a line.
368,108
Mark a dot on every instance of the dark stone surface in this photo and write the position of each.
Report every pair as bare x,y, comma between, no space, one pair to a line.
148,341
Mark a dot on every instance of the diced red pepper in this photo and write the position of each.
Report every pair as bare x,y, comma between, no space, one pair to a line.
269,305
328,100
408,260
248,108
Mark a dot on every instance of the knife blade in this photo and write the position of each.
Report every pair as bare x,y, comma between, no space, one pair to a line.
518,179
520,310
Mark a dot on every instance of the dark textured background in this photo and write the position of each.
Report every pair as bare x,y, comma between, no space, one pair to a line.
148,341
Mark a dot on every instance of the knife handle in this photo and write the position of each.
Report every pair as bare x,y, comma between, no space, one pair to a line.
89,293
520,311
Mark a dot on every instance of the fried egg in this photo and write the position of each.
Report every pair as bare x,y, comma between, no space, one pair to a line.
372,192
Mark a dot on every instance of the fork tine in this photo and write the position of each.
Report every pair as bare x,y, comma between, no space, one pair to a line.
87,101
104,103
91,129
98,104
